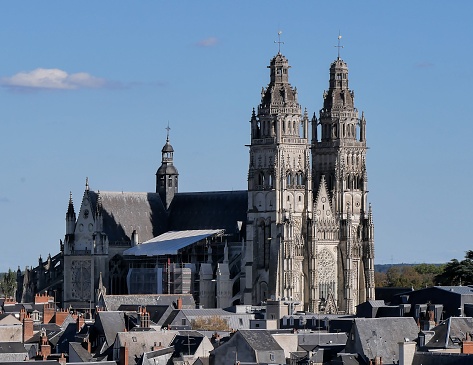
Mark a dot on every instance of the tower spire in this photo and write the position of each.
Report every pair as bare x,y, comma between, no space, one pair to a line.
166,176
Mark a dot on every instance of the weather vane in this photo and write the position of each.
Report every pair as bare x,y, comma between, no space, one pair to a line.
279,41
339,46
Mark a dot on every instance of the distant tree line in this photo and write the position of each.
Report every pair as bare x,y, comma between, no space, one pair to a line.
419,276
409,276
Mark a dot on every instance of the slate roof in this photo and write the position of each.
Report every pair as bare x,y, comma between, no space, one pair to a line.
451,332
380,337
209,210
124,212
462,290
171,242
109,324
83,354
113,302
260,340
12,347
140,342
186,345
439,358
308,341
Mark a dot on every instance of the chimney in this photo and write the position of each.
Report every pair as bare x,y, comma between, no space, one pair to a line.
45,347
86,344
62,359
42,298
61,316
9,301
80,322
144,318
156,346
407,350
467,346
123,360
22,314
48,312
179,303
27,328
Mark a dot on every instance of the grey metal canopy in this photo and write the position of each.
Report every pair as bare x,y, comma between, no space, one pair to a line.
171,242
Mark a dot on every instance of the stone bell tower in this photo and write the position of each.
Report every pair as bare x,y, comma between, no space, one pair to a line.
345,232
166,176
279,227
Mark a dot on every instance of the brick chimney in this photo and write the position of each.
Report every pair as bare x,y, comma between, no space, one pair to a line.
27,328
123,360
467,347
9,301
22,314
144,318
179,303
61,316
62,359
45,346
42,298
48,312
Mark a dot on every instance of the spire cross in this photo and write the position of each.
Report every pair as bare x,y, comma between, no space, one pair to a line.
339,46
167,129
279,42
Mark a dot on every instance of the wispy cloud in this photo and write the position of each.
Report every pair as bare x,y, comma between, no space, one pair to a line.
424,64
4,199
52,78
208,42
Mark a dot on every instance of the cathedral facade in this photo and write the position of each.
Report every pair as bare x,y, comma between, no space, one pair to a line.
310,230
302,232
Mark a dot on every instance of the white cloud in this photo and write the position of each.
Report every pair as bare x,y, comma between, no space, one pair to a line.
52,78
208,42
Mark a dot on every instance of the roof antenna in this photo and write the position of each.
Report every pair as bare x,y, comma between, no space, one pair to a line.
279,41
339,46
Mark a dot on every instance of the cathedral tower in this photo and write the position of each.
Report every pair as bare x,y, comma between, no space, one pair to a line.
166,176
279,228
345,235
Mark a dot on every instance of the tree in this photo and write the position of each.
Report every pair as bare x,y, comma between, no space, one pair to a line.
8,284
457,272
214,323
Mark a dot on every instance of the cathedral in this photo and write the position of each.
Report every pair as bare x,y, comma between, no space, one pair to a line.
302,232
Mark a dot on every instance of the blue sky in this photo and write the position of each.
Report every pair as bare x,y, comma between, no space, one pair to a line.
87,89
